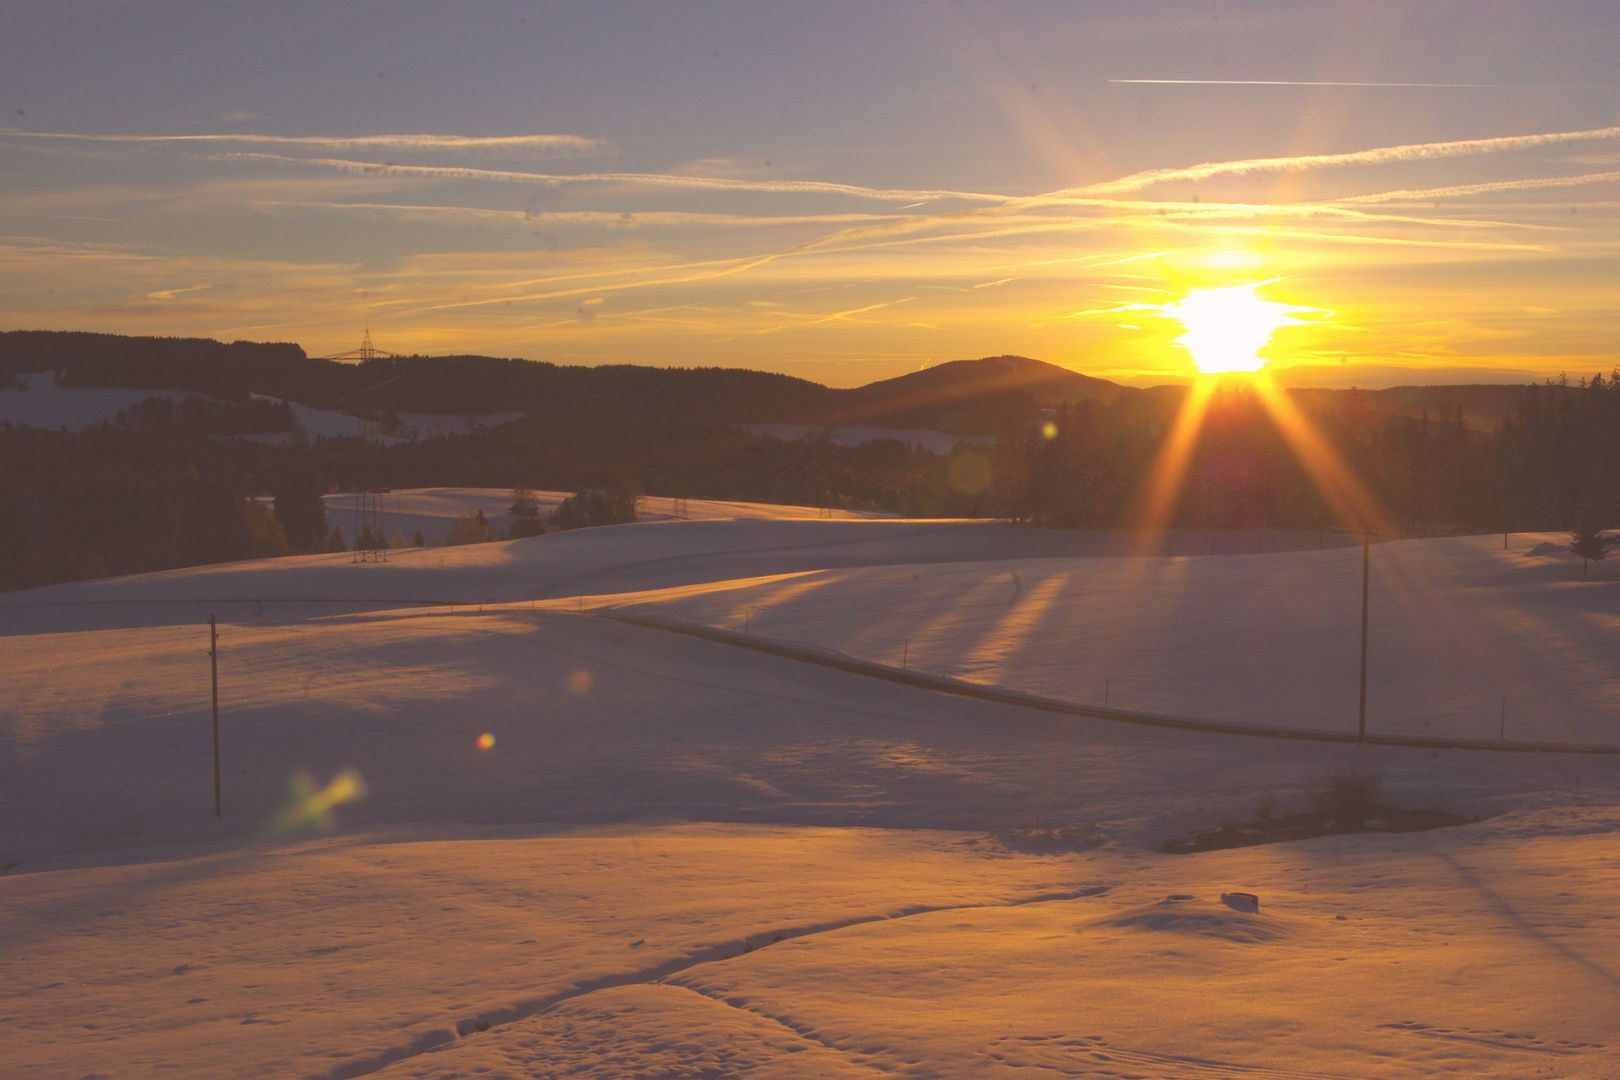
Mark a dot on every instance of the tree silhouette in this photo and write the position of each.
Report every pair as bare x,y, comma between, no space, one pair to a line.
1587,540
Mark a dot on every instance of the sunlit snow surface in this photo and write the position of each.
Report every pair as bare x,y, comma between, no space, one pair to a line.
601,890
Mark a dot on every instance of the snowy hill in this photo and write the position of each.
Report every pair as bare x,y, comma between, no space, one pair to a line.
560,844
40,402
37,401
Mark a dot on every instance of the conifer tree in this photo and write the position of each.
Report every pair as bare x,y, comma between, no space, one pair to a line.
1587,540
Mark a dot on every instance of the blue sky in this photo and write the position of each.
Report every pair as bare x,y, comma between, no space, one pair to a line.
842,191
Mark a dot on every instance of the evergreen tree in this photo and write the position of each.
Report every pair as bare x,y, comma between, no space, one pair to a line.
265,537
1587,540
301,510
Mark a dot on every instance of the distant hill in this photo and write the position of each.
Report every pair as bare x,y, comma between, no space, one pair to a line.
113,361
969,397
1483,404
965,397
962,397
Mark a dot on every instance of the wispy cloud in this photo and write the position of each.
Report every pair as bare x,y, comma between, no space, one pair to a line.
1487,188
529,145
694,263
657,180
170,294
584,218
1386,155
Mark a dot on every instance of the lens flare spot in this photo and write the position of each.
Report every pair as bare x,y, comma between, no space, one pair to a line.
969,472
580,682
1227,327
486,741
1049,430
308,806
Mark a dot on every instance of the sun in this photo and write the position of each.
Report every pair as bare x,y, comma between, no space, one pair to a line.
1227,327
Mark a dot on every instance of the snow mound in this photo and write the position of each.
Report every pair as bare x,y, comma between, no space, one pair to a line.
1182,914
1545,548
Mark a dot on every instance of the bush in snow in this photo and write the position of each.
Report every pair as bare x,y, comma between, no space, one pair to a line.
471,529
1348,795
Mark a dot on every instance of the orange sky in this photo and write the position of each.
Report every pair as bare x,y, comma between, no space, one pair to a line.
843,198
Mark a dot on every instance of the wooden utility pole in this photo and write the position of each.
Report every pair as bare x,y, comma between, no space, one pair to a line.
1366,566
213,661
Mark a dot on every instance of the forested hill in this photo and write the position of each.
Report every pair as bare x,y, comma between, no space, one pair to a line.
967,397
964,397
200,365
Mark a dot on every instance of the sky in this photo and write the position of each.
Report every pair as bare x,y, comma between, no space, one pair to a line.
843,191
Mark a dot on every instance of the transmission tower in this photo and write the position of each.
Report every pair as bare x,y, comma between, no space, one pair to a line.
370,527
366,351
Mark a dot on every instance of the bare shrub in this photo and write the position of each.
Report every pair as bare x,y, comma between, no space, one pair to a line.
1348,795
472,529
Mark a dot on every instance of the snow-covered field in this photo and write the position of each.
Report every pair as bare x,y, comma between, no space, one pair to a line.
678,857
433,511
45,405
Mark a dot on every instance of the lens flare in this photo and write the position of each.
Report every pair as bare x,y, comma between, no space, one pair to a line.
486,741
580,682
1227,327
308,806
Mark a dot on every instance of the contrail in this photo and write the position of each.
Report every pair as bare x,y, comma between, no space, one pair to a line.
550,145
698,183
1323,82
1384,155
1486,188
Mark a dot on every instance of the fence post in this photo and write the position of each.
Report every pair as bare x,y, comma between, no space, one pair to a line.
213,664
1366,563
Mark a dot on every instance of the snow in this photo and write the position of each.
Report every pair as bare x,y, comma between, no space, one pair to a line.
46,405
434,511
682,857
49,406
1459,630
332,424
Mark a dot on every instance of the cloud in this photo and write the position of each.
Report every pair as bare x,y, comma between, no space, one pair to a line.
553,218
170,294
660,180
1379,156
513,145
1461,190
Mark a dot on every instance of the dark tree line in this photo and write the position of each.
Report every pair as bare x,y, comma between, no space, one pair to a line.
164,489
205,416
1559,454
1555,454
113,500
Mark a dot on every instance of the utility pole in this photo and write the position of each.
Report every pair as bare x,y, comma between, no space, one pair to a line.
213,661
1366,566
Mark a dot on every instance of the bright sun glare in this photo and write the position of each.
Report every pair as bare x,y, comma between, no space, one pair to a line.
1227,327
